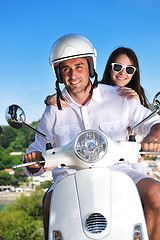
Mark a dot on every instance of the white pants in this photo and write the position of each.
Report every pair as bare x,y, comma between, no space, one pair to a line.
131,171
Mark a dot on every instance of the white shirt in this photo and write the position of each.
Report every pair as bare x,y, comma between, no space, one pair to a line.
106,112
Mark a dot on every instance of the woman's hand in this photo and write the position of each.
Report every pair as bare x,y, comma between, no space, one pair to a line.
129,93
52,100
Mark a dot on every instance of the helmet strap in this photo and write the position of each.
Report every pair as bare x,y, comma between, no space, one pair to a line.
92,73
59,95
58,73
95,83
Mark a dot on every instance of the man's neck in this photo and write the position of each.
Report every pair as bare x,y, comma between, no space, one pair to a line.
82,97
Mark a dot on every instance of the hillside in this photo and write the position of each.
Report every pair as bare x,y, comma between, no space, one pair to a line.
13,140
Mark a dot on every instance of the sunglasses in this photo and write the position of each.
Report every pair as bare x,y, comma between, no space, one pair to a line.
117,67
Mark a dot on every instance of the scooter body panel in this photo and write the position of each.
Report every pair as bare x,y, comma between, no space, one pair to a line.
111,194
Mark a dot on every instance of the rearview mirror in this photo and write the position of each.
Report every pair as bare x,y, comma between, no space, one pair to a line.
15,116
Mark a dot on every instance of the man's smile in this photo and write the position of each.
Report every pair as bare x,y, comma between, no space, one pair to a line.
74,82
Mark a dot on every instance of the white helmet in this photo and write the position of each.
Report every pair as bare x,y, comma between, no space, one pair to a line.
72,46
68,47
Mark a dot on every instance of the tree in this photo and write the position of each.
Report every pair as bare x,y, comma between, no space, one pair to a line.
7,161
8,136
4,158
20,174
23,219
16,139
1,130
14,181
5,178
46,184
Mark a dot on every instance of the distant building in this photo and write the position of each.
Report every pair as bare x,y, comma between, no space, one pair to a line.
19,189
16,153
7,188
152,168
46,176
9,170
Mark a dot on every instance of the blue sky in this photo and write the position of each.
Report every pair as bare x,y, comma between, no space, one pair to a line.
29,28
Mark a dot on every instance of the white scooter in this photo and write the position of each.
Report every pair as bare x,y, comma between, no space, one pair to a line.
92,202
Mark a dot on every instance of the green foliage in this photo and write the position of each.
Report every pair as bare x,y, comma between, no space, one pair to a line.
14,140
20,175
5,178
4,158
14,180
14,160
7,136
7,161
17,139
1,130
46,184
23,219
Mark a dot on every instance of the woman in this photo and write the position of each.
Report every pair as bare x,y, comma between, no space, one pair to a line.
122,75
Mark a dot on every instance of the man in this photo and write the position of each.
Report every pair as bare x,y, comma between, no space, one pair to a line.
73,59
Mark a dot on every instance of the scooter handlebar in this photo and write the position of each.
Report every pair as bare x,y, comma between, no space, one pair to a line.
43,161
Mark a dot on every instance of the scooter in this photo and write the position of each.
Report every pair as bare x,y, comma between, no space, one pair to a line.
93,202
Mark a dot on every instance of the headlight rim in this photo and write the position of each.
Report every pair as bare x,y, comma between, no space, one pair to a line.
98,133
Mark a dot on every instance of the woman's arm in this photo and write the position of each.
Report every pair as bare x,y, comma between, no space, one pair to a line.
52,100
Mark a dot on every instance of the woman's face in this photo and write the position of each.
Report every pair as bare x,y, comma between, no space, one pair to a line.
121,79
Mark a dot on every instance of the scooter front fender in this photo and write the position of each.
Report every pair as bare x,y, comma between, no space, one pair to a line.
96,204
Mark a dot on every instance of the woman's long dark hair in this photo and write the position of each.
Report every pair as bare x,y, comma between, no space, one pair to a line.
135,81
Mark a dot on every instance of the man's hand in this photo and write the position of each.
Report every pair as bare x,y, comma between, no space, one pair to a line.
152,141
34,157
151,145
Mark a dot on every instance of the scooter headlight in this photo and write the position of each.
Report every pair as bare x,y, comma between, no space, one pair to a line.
90,146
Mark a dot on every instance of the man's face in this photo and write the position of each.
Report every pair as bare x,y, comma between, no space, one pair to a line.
75,75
